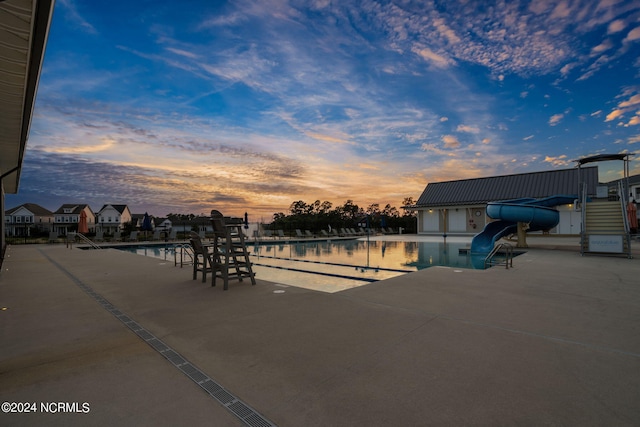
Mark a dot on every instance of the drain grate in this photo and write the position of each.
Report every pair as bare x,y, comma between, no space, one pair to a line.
244,412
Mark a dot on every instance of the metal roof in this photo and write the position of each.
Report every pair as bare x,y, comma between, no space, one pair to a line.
24,27
480,191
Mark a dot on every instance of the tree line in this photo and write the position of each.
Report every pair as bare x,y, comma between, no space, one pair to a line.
319,215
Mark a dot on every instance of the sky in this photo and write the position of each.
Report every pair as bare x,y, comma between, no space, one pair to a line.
250,105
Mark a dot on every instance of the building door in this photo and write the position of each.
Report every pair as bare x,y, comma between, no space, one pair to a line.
569,222
430,220
458,220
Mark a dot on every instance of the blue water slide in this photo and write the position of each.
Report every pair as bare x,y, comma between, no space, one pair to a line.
539,214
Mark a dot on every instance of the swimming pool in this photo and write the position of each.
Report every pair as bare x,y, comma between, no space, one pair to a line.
334,265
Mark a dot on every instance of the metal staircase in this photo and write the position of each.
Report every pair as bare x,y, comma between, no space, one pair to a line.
605,227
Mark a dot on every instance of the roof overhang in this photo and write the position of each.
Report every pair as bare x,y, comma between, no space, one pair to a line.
603,157
24,28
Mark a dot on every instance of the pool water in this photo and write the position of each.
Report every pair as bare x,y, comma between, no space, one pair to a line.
334,265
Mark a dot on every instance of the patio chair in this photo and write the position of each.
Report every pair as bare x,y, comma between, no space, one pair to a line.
230,256
299,233
133,236
281,234
202,259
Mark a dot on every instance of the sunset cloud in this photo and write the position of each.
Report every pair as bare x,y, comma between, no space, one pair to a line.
555,119
468,129
557,161
450,141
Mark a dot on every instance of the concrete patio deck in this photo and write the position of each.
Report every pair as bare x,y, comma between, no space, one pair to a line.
553,341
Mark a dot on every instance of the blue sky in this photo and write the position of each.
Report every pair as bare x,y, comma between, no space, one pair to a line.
250,105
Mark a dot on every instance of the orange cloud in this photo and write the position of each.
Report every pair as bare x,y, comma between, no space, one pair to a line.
450,141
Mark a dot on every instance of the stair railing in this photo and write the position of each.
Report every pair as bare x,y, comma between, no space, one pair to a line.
625,218
86,240
508,253
186,255
583,225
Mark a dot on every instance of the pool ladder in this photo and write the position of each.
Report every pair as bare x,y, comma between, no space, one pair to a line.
508,255
185,252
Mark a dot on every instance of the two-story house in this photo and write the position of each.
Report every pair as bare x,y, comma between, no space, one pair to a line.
67,218
163,224
111,218
26,219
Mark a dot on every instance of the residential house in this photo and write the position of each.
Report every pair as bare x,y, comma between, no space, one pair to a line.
136,221
111,218
459,207
67,217
201,224
163,224
28,219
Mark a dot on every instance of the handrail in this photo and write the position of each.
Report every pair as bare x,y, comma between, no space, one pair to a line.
508,250
583,222
627,227
623,205
184,249
88,241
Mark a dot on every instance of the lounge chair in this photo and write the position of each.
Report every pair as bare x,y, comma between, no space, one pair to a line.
299,233
99,236
173,234
281,234
116,236
53,237
308,233
324,233
133,236
268,233
156,235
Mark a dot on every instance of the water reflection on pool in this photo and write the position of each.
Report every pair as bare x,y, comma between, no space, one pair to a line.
334,265
403,255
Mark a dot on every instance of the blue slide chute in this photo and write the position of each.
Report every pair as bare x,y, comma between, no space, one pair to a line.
538,213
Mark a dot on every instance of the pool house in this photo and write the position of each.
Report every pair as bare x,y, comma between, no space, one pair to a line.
459,207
